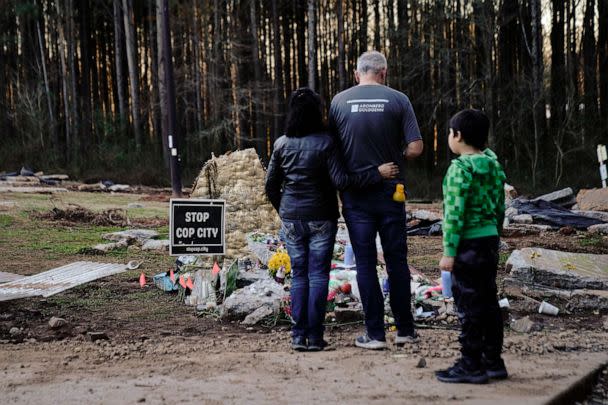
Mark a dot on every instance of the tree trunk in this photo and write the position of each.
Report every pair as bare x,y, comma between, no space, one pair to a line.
128,17
46,87
558,77
312,52
363,27
301,37
341,52
64,79
71,41
197,73
278,77
118,52
589,70
602,46
257,76
86,46
377,25
537,76
162,90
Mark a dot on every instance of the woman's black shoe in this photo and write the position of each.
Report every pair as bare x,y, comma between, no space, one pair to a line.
315,345
298,343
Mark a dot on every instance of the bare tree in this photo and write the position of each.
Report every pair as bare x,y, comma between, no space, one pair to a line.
128,16
312,52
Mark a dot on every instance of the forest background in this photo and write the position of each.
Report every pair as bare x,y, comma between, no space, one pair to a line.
83,84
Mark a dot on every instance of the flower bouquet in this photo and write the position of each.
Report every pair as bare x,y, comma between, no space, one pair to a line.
279,264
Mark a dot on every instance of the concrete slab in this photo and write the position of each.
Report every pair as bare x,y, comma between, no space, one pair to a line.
7,277
564,197
54,281
576,300
553,268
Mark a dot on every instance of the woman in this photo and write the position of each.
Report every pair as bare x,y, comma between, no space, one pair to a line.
304,171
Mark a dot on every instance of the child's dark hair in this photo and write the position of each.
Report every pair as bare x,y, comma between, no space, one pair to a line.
304,116
473,125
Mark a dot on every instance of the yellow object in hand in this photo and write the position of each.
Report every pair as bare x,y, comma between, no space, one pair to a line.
399,194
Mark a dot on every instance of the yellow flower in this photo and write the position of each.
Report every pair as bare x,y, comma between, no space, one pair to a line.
279,259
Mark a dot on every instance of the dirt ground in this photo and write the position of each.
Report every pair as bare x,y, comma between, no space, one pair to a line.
160,351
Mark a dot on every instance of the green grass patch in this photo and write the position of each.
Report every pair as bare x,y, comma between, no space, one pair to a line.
592,240
503,257
6,221
92,297
424,262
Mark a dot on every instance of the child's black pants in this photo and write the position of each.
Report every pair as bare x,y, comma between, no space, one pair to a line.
474,289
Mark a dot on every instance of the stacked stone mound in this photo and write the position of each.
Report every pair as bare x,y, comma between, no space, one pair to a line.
238,178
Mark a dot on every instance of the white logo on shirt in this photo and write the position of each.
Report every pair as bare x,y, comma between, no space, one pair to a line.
367,105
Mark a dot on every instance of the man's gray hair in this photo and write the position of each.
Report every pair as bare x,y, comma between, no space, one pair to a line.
371,61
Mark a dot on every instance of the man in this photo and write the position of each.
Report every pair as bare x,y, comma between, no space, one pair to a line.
374,124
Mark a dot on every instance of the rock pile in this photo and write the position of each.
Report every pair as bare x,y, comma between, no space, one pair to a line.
238,178
574,280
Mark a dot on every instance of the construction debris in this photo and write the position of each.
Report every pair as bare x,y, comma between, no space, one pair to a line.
247,300
523,219
107,247
601,229
26,181
593,200
548,213
579,281
258,315
31,190
139,235
105,186
57,323
159,245
525,325
6,277
54,281
564,197
559,269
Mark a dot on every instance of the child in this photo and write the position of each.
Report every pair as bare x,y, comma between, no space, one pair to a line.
473,211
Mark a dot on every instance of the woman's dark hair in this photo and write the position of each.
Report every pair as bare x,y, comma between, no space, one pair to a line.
473,125
304,116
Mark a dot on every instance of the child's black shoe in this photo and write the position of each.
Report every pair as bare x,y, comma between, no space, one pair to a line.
495,369
459,373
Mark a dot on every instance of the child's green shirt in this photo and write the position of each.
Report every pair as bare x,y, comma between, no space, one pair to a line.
473,199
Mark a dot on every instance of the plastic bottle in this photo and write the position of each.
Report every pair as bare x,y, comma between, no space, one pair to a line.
349,255
446,284
399,194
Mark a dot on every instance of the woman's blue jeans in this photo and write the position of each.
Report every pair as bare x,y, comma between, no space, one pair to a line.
310,245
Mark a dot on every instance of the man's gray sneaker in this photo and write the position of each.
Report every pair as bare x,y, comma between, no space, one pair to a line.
403,340
365,342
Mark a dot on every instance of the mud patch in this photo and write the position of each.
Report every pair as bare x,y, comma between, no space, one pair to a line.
78,214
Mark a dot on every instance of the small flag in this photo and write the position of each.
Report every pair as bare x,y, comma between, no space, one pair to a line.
182,282
216,269
172,276
190,284
142,280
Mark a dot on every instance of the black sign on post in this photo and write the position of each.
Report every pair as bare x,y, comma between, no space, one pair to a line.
197,227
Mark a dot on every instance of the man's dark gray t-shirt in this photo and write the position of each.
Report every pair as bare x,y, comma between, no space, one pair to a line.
373,124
